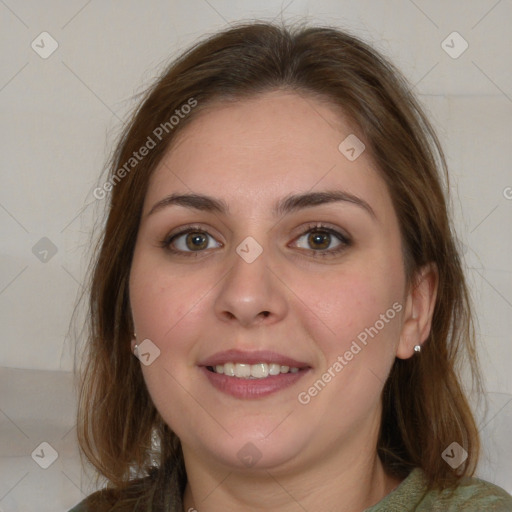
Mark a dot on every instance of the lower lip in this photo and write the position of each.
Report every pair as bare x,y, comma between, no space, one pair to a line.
252,388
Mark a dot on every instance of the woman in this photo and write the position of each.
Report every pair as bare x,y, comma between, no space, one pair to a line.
279,259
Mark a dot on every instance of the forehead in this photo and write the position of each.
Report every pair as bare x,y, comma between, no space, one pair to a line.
254,151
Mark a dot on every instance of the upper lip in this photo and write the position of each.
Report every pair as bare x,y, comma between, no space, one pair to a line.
255,357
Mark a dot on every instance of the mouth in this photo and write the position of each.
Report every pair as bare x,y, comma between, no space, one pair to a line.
252,371
252,374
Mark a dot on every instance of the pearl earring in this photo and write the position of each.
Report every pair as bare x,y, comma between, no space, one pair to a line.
417,348
136,347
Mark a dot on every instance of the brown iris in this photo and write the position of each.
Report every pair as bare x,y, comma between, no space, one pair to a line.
316,237
196,240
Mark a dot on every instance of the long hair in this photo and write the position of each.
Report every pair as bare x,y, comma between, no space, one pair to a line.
424,406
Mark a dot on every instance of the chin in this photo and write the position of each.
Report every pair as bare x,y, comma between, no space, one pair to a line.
251,450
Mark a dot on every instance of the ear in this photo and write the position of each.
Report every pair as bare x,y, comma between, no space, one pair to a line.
419,309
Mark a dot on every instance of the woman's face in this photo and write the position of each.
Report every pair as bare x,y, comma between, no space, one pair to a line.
271,275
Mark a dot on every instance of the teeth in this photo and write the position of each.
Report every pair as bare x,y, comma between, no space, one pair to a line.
259,371
252,371
242,370
274,369
229,369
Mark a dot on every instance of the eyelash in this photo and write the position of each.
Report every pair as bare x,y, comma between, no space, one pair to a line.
345,241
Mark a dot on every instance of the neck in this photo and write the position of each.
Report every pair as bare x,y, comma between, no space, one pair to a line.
350,479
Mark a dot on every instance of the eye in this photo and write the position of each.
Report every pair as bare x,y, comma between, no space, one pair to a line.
320,240
323,240
190,240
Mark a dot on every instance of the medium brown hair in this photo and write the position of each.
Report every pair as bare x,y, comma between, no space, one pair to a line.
424,406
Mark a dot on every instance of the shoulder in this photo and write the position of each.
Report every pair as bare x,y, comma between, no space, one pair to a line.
100,501
132,498
160,490
471,495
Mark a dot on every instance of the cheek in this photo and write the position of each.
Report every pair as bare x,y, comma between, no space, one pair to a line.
356,324
357,335
169,308
157,296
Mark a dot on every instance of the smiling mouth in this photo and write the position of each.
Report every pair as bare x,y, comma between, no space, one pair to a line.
252,371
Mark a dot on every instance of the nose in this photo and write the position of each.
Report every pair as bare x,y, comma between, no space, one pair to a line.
251,293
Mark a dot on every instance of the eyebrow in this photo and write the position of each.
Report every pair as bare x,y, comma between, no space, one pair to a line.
283,206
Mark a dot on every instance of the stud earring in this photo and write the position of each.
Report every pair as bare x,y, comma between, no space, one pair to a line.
136,347
417,348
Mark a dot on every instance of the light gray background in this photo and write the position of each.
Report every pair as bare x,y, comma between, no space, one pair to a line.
60,116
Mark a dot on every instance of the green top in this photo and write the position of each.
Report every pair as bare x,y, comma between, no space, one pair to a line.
472,495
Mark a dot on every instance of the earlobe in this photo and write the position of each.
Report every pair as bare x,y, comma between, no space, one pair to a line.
419,310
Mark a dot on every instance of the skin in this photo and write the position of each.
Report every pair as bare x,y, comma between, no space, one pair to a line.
322,455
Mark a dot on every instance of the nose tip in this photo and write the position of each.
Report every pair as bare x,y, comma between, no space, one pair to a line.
250,293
